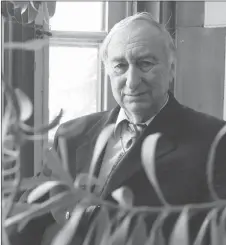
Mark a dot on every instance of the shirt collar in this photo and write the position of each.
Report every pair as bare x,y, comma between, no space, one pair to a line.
122,116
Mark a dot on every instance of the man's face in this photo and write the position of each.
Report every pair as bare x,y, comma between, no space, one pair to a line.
139,69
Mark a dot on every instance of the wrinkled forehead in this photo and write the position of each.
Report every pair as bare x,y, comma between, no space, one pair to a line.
136,40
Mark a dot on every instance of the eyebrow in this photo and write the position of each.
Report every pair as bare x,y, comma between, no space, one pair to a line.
139,57
147,56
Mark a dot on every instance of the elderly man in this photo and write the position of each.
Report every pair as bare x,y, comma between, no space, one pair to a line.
139,57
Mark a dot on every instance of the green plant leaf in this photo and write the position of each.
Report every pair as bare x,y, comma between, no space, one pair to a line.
123,196
66,234
203,228
100,144
148,162
180,234
42,189
139,233
25,104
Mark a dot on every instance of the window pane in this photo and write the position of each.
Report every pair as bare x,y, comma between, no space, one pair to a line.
72,82
77,16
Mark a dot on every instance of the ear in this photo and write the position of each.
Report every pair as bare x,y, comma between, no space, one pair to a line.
172,70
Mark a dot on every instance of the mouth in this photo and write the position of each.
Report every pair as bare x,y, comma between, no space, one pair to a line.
135,94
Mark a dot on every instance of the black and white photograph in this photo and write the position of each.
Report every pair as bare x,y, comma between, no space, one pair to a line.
113,122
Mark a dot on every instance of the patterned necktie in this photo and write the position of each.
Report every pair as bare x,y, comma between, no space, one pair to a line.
135,130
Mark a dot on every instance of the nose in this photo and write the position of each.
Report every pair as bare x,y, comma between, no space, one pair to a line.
132,78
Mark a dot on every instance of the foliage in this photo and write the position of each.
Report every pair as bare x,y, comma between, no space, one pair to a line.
105,228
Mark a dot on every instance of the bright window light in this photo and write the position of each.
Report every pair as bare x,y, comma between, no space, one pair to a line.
77,16
72,82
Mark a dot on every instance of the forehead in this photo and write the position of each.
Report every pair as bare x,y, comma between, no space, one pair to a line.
138,39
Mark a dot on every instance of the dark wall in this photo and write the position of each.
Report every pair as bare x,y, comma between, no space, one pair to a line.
23,77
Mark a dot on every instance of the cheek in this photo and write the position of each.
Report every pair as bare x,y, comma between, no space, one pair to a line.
116,86
158,78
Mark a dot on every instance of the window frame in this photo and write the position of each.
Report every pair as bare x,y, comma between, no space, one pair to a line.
113,12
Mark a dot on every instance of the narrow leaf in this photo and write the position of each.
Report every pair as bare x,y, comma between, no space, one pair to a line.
123,196
180,234
35,5
25,104
42,190
100,223
30,183
139,233
63,153
51,5
6,121
40,209
19,4
148,161
66,234
43,129
210,162
100,144
46,12
120,235
222,226
155,232
82,179
106,236
202,231
53,163
214,232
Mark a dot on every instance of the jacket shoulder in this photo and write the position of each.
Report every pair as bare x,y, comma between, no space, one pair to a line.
201,123
79,125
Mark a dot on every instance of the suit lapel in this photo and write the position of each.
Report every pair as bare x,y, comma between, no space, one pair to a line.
131,163
165,122
84,152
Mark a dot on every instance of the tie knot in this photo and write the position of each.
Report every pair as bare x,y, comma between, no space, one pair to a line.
136,129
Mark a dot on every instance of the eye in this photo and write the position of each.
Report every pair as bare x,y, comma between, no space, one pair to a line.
120,68
145,65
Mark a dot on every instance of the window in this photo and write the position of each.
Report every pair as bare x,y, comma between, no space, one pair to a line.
78,16
215,14
73,84
77,29
68,73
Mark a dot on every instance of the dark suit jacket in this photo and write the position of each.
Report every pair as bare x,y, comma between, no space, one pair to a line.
181,155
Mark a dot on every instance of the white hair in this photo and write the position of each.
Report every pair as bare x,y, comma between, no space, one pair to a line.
128,20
